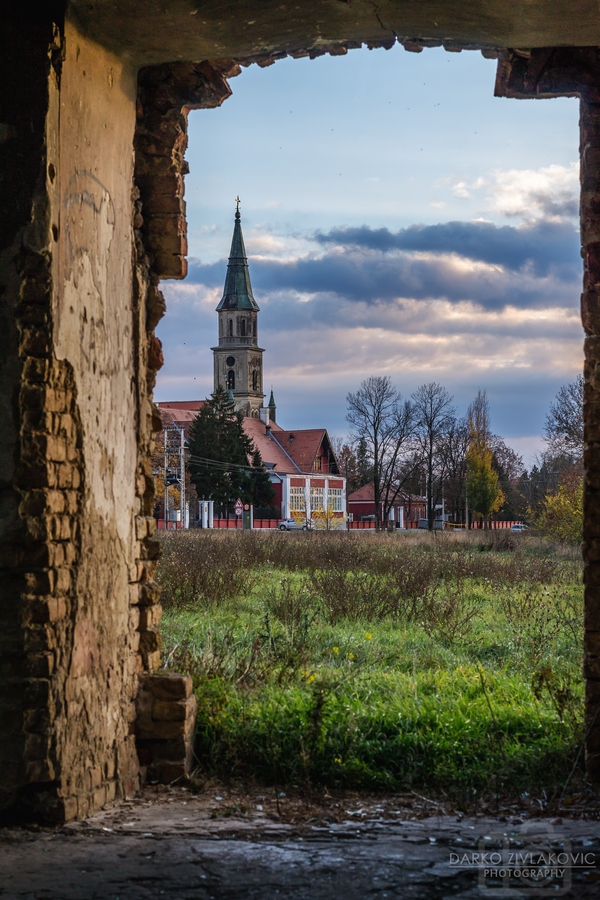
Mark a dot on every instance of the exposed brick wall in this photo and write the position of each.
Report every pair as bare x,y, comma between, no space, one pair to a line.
165,95
590,310
576,72
166,721
78,615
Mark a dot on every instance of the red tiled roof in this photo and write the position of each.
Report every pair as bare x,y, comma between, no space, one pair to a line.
269,449
285,452
180,417
182,404
366,494
302,445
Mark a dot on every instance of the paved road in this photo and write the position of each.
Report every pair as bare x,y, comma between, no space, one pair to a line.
199,848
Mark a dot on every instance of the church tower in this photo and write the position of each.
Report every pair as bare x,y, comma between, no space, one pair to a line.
238,358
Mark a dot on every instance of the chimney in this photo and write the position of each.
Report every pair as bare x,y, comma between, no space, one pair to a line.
265,416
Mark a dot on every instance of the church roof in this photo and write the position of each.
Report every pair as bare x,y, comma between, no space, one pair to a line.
237,293
179,412
273,456
285,452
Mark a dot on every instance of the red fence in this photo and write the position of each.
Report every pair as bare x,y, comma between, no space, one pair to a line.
237,523
274,523
173,526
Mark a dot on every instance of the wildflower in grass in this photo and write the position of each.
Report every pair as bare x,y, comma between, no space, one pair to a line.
336,649
368,636
338,761
351,656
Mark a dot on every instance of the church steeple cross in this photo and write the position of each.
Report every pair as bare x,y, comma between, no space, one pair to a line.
237,205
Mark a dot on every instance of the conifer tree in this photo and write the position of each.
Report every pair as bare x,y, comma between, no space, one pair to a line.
220,452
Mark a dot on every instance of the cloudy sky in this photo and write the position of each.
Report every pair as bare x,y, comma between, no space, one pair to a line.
399,220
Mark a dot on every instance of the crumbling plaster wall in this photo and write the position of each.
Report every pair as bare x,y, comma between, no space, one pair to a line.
94,312
78,555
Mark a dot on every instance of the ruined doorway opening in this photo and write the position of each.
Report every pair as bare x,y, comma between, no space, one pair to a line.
566,200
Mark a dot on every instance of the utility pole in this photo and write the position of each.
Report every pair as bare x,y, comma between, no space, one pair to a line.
166,498
181,474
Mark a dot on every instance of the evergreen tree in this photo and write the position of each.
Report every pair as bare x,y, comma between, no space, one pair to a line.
261,489
364,467
219,454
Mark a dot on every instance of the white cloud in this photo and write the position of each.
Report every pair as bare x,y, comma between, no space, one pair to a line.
550,192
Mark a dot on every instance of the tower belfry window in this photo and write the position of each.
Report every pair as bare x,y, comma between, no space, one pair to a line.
231,328
231,380
243,327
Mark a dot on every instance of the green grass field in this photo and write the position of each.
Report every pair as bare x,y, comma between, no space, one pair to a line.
414,661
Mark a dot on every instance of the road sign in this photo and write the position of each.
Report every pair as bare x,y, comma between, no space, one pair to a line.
239,507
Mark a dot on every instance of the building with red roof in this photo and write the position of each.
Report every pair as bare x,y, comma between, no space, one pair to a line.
406,510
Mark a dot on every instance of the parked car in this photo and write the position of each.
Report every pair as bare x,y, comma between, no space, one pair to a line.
292,525
519,527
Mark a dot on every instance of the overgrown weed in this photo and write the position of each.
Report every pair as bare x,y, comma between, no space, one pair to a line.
379,661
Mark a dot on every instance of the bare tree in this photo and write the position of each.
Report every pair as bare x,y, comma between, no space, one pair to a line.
434,415
454,451
381,419
564,422
478,417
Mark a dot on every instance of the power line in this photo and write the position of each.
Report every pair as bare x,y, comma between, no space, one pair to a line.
215,464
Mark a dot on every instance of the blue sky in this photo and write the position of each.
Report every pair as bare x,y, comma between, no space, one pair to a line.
399,220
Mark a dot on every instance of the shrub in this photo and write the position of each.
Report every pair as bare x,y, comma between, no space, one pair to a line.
562,512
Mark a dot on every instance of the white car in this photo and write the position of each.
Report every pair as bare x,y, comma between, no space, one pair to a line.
292,525
519,527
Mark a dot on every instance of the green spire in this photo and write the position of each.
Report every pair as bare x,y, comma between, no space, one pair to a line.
238,290
272,408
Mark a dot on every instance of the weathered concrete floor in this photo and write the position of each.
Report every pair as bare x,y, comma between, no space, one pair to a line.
185,846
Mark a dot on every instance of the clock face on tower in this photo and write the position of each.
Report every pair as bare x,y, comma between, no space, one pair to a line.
230,360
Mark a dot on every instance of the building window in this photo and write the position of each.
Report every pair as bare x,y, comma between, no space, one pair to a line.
231,380
297,500
243,327
316,498
317,464
336,499
255,328
255,380
231,328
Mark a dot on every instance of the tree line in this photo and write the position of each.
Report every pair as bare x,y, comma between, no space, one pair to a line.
420,446
415,446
